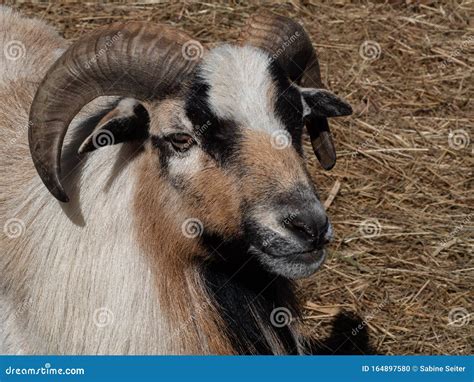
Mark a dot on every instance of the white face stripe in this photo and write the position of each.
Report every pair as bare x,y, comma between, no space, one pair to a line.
271,220
241,87
185,166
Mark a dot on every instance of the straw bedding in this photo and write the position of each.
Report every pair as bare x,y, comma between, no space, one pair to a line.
400,196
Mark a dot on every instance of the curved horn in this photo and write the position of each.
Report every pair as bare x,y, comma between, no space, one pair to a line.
289,44
136,59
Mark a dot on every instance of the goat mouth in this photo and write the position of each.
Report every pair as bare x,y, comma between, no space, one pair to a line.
308,257
294,265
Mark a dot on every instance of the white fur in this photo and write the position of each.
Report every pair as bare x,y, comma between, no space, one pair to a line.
270,220
241,88
82,264
73,265
75,281
20,57
187,165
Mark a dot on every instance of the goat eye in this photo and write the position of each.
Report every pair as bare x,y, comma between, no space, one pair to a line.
181,142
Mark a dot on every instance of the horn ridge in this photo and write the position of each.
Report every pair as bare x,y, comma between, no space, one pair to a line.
122,59
269,31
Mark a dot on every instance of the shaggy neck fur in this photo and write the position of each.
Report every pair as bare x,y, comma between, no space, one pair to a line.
217,299
247,297
110,272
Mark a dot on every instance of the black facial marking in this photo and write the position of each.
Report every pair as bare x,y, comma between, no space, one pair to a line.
288,105
221,143
164,151
219,138
244,292
247,294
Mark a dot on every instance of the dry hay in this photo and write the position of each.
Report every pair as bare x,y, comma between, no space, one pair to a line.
402,188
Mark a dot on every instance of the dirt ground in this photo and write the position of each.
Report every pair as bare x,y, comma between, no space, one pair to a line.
400,196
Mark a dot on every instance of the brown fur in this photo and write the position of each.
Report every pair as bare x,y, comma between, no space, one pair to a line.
213,194
197,325
262,161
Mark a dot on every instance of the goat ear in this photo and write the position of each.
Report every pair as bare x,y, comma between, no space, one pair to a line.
128,121
321,140
323,103
318,105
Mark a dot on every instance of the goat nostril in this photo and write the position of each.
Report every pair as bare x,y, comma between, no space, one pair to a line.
323,235
303,227
309,227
